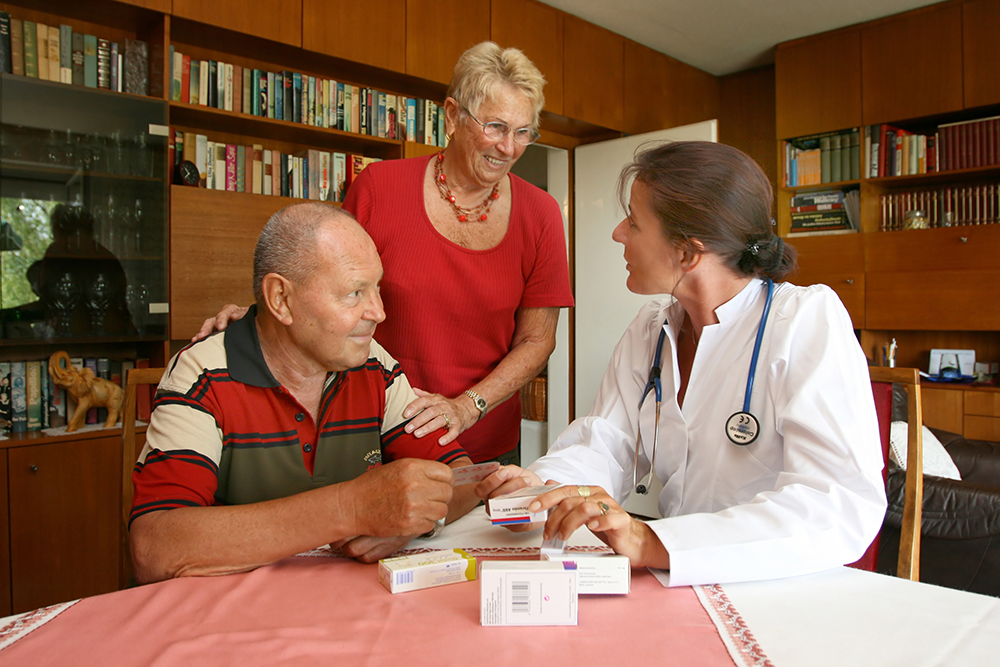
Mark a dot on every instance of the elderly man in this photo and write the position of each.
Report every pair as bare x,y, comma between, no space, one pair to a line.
286,431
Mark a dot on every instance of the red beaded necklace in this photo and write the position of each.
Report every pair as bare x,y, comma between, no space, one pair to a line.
480,212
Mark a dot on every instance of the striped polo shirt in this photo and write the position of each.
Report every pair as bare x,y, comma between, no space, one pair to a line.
225,432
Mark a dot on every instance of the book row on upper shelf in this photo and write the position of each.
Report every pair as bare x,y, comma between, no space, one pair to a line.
822,158
301,98
940,207
892,151
61,54
30,400
310,174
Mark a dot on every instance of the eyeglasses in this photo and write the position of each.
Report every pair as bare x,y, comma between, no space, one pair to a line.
495,130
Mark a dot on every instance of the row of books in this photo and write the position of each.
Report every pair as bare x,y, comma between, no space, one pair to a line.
942,207
309,174
60,54
302,98
825,212
822,158
893,151
31,401
970,144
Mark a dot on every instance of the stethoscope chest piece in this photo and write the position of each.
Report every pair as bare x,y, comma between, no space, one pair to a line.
742,428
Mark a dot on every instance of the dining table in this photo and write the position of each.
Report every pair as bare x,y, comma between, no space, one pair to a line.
320,607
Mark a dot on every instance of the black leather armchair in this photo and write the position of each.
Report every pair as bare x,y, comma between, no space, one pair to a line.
960,530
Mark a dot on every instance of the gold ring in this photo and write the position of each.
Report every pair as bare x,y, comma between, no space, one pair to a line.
447,420
584,491
604,508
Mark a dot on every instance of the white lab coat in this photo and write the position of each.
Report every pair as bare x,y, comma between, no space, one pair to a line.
806,496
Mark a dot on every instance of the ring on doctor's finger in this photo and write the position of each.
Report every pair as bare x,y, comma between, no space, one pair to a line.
604,508
584,491
447,420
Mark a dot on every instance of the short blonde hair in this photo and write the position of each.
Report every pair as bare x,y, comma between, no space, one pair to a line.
485,68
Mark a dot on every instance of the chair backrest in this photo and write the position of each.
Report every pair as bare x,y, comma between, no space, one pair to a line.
136,378
908,565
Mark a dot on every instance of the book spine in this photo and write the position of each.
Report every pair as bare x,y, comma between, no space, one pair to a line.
30,30
854,168
186,79
65,54
201,158
230,167
42,50
213,84
220,166
43,373
17,47
248,90
258,169
238,89
18,398
33,394
103,371
220,85
267,185
53,53
229,90
57,405
6,59
115,71
91,363
241,158
104,65
269,87
5,407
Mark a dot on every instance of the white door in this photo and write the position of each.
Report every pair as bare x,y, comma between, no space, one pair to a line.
604,306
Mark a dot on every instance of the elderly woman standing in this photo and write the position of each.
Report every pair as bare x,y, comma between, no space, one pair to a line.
474,257
763,426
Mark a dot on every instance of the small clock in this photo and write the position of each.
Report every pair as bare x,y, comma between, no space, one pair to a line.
187,173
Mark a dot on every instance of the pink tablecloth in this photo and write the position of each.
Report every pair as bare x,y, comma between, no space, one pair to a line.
325,610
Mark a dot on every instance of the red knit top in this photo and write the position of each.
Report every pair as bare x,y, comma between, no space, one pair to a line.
450,310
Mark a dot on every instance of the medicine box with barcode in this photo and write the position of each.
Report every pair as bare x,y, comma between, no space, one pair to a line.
527,593
434,568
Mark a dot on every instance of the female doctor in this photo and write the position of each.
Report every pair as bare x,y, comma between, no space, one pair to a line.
749,397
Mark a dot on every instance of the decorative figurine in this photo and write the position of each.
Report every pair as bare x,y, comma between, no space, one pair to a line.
88,390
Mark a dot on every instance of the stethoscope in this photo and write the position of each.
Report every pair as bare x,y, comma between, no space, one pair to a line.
742,428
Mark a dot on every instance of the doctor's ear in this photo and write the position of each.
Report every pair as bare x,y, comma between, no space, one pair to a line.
693,251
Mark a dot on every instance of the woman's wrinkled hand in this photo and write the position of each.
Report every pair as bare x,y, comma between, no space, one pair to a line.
229,313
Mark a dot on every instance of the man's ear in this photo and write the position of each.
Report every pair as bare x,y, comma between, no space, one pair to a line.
277,291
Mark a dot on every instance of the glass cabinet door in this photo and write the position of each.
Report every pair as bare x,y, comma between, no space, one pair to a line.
83,202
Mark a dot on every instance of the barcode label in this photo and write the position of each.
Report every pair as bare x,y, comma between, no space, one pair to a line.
520,597
404,578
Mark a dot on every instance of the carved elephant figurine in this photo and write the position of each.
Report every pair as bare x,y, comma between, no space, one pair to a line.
89,391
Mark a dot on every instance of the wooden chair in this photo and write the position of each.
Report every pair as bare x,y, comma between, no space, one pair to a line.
882,378
136,377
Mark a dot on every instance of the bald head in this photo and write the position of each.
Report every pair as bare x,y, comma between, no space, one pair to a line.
288,243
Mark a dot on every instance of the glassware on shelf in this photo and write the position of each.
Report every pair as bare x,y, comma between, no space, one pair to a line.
99,294
51,152
62,296
137,298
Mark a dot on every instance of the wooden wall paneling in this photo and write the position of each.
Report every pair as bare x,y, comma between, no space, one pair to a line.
651,89
64,520
818,84
698,97
537,30
594,70
5,604
746,116
277,20
212,264
942,408
981,52
911,65
932,300
439,31
371,32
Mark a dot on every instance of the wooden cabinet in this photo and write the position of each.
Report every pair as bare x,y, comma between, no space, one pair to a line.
651,89
371,32
594,70
944,279
537,30
911,65
837,262
277,20
439,31
697,95
818,83
971,411
64,520
981,52
5,608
